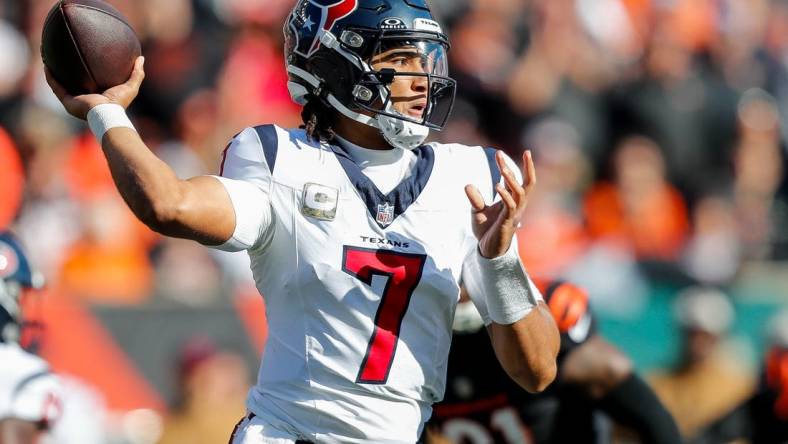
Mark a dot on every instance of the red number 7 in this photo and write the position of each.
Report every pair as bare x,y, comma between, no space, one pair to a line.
403,271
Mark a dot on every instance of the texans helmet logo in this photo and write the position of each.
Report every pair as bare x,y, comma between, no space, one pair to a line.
9,261
313,18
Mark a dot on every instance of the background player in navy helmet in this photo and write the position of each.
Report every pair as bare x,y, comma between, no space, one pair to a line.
483,406
360,234
29,394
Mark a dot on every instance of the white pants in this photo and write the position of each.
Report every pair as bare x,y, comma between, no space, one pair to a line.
254,431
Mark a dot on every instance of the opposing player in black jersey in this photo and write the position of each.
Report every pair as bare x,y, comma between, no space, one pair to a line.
483,406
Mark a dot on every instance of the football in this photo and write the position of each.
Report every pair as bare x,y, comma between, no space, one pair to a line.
88,46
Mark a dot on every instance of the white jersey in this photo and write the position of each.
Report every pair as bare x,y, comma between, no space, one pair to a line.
360,286
28,391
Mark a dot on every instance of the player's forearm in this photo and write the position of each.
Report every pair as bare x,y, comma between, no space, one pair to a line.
633,404
527,349
523,332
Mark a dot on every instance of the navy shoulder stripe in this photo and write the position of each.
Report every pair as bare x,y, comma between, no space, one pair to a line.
495,172
224,155
270,142
224,159
26,381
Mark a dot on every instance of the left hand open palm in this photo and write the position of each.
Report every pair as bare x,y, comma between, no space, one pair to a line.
494,225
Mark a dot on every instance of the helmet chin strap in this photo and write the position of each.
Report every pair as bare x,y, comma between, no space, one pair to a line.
398,133
401,133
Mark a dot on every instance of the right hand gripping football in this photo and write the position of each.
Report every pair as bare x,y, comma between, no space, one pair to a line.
123,94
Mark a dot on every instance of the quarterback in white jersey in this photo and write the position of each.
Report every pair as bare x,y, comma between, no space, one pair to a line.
360,279
29,393
360,235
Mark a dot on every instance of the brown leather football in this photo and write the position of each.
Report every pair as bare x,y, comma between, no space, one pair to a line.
88,46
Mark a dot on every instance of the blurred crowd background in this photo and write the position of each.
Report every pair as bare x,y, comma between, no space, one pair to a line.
659,132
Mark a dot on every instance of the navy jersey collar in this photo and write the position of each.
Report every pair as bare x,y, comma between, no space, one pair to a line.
385,208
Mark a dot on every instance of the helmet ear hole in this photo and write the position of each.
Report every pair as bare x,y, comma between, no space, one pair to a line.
386,75
336,74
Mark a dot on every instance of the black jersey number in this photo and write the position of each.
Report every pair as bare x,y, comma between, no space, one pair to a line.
403,271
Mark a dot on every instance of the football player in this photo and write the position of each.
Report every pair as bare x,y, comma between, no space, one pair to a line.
29,393
483,406
360,235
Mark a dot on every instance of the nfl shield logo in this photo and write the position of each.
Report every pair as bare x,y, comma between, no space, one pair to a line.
385,214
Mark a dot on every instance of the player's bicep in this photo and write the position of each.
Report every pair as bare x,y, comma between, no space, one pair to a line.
206,212
233,211
237,212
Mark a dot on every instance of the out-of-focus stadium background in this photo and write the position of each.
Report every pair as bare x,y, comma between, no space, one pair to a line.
659,130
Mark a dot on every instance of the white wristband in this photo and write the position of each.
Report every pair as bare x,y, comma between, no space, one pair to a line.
106,116
504,285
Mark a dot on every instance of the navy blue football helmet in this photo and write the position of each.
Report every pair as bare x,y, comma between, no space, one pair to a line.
16,274
329,45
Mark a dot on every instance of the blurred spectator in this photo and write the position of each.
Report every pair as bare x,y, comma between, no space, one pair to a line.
613,26
47,221
213,385
264,12
14,57
707,381
776,46
758,173
12,180
673,99
763,418
252,85
196,146
465,124
108,252
714,253
563,72
640,208
180,57
112,247
554,209
186,273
